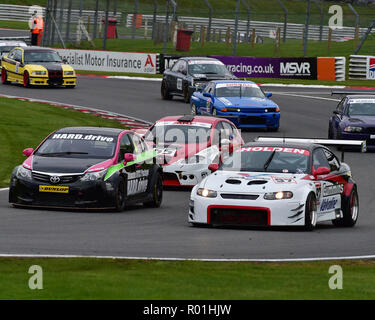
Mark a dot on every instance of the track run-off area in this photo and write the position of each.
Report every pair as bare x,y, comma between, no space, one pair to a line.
165,232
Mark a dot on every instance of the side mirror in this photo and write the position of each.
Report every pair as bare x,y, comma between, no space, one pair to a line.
128,157
268,94
213,167
321,171
206,94
336,112
28,152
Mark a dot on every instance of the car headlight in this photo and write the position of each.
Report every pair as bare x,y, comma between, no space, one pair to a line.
278,195
69,73
353,129
203,192
93,176
39,73
23,173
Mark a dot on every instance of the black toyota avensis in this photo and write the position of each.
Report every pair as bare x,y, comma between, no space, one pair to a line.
88,167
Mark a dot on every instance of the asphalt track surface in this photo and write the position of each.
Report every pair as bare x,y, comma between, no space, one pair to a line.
165,232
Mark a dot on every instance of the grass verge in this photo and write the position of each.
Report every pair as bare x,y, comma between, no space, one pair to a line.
85,278
25,124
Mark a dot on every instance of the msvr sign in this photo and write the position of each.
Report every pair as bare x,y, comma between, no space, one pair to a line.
298,68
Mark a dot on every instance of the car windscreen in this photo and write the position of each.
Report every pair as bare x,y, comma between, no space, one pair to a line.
238,90
197,68
179,133
362,108
78,145
268,159
41,56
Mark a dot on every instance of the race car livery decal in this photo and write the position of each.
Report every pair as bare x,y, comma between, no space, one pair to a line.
332,190
78,136
277,149
179,84
328,204
236,84
147,155
225,101
137,182
283,180
251,176
361,101
195,124
204,62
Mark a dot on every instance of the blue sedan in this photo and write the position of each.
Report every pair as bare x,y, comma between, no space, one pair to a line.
241,102
354,119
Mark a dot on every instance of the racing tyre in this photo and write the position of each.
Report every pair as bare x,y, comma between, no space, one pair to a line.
194,111
4,76
330,136
157,193
350,209
26,79
164,91
310,212
186,94
120,195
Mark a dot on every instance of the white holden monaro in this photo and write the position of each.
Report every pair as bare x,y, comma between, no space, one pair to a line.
287,182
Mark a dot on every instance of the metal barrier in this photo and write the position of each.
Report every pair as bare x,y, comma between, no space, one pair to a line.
357,67
263,28
21,13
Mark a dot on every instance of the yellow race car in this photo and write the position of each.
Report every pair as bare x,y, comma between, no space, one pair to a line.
36,66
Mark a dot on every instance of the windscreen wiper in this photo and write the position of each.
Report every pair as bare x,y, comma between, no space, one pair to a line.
267,163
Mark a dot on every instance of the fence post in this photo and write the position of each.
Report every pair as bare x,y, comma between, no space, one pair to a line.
67,35
253,35
234,51
96,18
165,40
248,21
356,18
285,18
329,38
306,33
372,24
154,17
134,20
227,37
321,19
106,26
277,41
209,19
203,35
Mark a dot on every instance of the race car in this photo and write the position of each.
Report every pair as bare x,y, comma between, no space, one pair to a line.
36,66
191,73
354,118
6,46
242,102
278,182
88,167
186,145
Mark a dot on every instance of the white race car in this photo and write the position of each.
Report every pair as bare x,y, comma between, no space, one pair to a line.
279,183
187,145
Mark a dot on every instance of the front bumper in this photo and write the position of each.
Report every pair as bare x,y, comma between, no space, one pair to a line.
188,175
242,212
47,81
81,194
370,138
269,120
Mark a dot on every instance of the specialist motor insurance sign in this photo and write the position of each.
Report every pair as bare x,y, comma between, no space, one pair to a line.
113,61
259,67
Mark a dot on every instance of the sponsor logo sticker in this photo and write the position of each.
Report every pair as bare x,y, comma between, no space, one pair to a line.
332,190
328,204
277,149
56,189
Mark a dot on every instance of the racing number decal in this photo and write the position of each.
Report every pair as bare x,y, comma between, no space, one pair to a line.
179,84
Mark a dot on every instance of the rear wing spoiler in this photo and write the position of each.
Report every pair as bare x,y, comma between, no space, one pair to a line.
327,142
344,92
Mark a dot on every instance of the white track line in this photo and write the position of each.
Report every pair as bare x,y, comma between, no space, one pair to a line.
10,255
304,96
3,189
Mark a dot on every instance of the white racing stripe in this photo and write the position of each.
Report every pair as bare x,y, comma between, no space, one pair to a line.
15,255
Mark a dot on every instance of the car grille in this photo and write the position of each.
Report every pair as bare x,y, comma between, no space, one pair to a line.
169,176
239,196
235,216
55,77
253,120
63,179
370,130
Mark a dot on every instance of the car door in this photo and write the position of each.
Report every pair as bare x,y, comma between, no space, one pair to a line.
173,76
332,184
206,102
142,168
181,76
19,64
9,64
337,117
